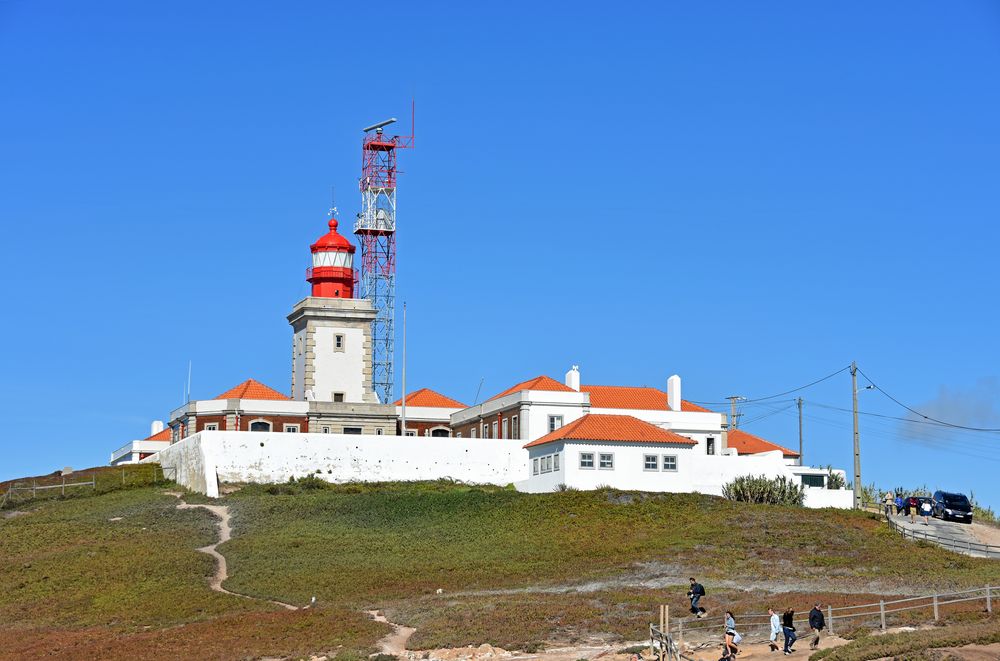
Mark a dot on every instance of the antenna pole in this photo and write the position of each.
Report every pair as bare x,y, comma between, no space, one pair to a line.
188,399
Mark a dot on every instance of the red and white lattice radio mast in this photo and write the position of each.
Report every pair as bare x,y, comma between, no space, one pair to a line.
376,232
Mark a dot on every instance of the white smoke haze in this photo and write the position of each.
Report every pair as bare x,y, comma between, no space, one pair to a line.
975,406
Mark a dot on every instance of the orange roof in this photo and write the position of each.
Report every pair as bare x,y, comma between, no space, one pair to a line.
537,383
251,389
745,443
603,427
629,397
159,436
428,397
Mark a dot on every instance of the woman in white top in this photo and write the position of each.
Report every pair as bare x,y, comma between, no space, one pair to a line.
775,629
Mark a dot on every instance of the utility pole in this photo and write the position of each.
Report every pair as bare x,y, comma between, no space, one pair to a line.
857,442
403,416
799,402
734,417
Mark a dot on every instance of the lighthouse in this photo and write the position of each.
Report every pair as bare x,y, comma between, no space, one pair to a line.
332,272
332,345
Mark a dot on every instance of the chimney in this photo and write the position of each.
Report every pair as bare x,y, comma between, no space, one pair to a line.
156,427
573,378
674,393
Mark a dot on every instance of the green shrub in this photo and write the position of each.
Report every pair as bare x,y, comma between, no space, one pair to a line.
760,489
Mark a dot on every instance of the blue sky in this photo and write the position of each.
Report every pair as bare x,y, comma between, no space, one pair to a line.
748,194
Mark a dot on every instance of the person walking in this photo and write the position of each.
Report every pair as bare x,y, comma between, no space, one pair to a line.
899,504
695,594
911,507
887,503
775,629
925,511
817,623
788,628
732,640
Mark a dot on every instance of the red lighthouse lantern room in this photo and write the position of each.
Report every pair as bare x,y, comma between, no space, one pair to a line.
332,270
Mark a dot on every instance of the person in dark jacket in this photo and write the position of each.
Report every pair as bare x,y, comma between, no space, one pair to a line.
817,623
695,594
788,628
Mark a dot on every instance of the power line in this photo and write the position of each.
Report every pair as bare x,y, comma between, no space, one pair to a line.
927,417
780,394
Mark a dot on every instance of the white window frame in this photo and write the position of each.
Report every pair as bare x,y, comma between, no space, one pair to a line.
333,397
290,428
601,461
515,428
534,466
379,431
505,428
555,461
710,445
555,422
411,432
211,426
325,430
645,462
673,458
486,430
494,430
361,430
339,342
458,434
472,432
270,425
587,456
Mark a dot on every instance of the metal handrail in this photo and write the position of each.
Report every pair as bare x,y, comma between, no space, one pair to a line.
950,544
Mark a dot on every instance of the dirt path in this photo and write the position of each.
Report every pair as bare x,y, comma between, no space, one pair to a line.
221,569
395,642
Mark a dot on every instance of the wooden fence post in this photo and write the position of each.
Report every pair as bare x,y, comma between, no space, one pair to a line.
829,618
64,486
936,614
881,612
680,631
989,600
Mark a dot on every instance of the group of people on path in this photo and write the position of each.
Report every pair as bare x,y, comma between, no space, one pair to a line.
908,507
783,625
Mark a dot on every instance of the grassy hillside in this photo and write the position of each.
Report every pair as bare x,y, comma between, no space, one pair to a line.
508,564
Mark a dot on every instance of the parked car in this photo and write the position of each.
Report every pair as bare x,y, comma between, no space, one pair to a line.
952,506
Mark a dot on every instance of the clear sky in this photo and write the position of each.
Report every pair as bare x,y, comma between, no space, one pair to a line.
748,194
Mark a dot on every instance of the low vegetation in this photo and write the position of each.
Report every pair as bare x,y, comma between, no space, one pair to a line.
764,490
914,645
84,483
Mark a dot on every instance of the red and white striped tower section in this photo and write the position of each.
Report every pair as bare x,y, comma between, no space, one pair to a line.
376,232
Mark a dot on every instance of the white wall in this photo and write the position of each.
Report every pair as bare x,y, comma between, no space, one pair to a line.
339,371
839,498
240,457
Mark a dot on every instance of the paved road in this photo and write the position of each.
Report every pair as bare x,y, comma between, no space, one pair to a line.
959,533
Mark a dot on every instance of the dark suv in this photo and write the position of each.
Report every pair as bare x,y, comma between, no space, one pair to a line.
952,506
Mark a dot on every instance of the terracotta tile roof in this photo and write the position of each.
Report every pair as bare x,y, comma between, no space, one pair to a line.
745,443
159,436
428,397
639,398
537,383
251,389
604,427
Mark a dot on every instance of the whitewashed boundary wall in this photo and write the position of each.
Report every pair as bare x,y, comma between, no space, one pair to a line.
210,457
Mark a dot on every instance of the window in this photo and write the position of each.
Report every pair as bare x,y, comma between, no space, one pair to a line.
379,431
298,345
458,435
472,432
813,481
586,460
494,434
710,445
515,430
212,426
260,425
534,466
555,422
486,430
440,433
411,432
338,396
606,461
555,462
651,462
294,429
326,430
352,430
504,428
669,462
338,342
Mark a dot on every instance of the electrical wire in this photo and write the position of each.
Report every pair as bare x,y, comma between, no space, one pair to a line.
925,417
780,394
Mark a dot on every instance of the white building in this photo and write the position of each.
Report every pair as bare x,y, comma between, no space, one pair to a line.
134,451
